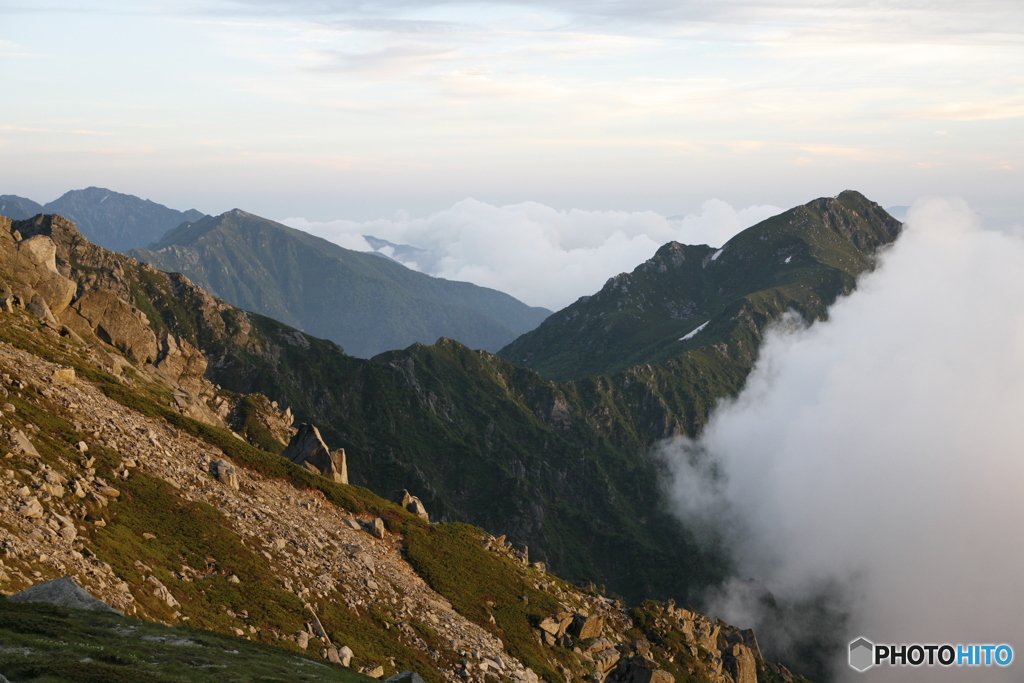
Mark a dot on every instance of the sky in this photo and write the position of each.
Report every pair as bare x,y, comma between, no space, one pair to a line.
872,462
327,110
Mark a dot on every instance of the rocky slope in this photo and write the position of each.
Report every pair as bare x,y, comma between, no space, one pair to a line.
692,297
365,303
119,472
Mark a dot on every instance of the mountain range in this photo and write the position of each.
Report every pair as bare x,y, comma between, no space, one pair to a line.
366,303
561,466
163,495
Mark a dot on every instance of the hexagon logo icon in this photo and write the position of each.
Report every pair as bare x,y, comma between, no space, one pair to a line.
862,654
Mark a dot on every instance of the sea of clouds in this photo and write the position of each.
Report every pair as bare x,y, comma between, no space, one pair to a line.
871,474
540,255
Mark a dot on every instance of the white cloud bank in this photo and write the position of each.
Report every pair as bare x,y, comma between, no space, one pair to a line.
883,451
540,255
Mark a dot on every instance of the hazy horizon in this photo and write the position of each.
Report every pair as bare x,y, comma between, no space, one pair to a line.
360,111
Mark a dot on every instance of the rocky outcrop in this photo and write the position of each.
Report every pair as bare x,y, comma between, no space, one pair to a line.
411,503
307,448
100,315
30,276
63,592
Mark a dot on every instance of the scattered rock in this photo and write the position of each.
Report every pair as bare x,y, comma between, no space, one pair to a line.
375,672
32,509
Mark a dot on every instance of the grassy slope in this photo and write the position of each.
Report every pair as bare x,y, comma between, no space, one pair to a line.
47,643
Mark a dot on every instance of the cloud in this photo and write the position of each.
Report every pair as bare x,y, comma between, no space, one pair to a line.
540,255
873,462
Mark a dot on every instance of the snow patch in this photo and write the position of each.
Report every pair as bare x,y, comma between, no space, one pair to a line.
693,333
104,198
788,259
717,254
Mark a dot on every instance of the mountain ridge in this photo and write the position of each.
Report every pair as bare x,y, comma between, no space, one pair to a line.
366,303
113,220
691,296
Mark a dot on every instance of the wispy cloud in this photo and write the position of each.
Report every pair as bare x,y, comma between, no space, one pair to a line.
72,131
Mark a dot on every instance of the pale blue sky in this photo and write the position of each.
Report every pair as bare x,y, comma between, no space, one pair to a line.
356,110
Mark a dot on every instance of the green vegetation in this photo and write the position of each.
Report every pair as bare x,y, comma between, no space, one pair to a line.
48,644
481,585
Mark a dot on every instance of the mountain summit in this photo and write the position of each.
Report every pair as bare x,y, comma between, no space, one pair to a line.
692,297
118,221
366,303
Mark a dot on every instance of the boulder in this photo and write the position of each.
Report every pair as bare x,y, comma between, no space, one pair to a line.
641,669
66,375
225,473
21,443
606,659
307,449
584,627
377,527
63,592
411,503
345,654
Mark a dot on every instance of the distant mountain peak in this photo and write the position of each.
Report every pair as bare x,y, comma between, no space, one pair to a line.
366,303
798,260
114,220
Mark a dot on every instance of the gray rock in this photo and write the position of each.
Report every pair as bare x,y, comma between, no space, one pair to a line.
307,449
405,677
63,592
225,473
345,654
377,527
